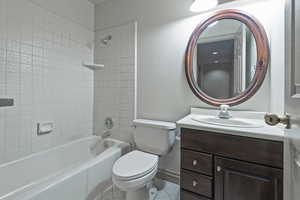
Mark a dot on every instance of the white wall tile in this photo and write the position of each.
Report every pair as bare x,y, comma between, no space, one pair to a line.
40,67
114,85
2,135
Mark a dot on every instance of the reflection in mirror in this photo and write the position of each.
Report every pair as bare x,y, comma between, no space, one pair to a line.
225,59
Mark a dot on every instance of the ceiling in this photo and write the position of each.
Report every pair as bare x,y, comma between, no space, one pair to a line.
96,1
224,1
100,1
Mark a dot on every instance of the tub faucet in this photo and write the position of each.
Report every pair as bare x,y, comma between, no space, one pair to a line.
106,134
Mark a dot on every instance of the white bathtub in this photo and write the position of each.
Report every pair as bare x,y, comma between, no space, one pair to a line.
69,172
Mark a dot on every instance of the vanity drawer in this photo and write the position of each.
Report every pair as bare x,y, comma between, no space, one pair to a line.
184,195
196,161
196,183
243,148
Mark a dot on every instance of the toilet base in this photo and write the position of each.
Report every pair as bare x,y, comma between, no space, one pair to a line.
142,194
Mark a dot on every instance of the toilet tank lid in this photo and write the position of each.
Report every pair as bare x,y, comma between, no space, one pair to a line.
154,124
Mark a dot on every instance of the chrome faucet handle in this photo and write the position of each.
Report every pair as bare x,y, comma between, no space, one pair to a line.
106,134
109,123
224,113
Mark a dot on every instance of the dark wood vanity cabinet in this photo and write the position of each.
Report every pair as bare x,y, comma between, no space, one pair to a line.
225,167
238,180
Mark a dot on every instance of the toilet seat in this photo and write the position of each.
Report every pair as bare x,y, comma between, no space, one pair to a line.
134,184
135,165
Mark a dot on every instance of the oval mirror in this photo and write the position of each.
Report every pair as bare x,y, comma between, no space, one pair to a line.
227,58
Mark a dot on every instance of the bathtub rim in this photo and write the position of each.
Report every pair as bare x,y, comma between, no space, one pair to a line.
52,149
52,179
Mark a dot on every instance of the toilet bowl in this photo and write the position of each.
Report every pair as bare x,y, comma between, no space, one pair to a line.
134,172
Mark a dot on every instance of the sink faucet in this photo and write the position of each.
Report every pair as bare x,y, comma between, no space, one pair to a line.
224,113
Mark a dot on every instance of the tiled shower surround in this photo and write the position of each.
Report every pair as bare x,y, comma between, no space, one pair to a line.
40,67
114,85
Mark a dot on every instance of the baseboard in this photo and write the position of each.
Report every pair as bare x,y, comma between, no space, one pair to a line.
169,175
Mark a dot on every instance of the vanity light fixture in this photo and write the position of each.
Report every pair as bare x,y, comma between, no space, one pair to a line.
215,53
202,5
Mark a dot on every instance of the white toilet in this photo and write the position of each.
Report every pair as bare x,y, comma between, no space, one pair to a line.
134,172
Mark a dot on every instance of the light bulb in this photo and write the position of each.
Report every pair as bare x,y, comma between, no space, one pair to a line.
202,5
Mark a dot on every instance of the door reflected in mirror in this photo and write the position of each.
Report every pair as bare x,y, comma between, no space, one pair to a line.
225,59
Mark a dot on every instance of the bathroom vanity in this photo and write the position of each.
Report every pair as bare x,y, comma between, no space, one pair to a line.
220,166
226,154
230,162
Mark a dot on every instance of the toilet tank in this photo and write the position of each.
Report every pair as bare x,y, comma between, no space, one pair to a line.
156,137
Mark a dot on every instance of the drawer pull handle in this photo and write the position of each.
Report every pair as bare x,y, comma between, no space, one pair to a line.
195,183
195,162
219,168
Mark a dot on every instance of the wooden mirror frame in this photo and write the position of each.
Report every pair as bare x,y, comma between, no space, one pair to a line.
263,56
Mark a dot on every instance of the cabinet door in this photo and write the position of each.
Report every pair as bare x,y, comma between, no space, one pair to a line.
184,195
237,180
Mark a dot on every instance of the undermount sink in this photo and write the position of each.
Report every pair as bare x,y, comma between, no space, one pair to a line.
232,122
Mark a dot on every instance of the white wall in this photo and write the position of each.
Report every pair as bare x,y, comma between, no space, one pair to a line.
78,11
164,28
163,33
41,50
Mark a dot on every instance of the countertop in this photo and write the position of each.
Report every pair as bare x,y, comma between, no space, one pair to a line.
275,133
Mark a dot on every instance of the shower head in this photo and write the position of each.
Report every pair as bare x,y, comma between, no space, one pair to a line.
94,43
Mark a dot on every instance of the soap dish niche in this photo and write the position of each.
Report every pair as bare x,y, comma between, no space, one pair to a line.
44,128
93,66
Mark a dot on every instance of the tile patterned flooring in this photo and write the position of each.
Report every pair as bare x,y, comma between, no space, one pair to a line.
169,191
